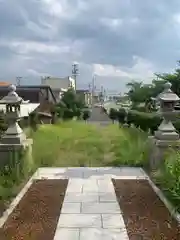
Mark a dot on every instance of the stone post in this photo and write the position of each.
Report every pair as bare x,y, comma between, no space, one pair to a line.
14,140
166,136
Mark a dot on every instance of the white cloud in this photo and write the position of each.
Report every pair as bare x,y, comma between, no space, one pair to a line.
112,23
142,69
54,7
28,47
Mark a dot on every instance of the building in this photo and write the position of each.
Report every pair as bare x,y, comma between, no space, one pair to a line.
58,85
85,95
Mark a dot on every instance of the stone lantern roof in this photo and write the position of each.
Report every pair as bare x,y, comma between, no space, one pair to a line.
167,95
12,97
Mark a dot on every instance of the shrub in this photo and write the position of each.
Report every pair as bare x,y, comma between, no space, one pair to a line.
148,121
121,115
68,114
86,114
113,114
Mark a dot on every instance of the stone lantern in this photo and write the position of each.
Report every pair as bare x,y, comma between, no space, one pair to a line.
167,100
14,134
14,139
166,136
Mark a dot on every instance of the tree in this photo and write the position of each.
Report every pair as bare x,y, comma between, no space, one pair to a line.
139,92
173,78
70,105
143,93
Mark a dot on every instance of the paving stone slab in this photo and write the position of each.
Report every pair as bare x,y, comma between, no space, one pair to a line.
51,170
74,185
81,197
67,234
90,186
80,220
113,221
71,207
105,185
107,197
99,208
103,234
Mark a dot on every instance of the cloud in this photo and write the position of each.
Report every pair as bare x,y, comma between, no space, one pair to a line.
119,40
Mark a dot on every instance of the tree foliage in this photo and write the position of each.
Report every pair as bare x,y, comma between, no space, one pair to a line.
71,105
142,93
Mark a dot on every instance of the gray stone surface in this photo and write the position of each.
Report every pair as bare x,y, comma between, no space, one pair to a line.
92,173
80,221
81,197
103,234
113,221
107,197
105,185
67,234
100,207
71,207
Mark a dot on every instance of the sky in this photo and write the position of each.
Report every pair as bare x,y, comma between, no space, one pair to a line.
118,40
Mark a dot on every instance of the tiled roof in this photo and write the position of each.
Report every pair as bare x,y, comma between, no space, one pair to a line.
4,84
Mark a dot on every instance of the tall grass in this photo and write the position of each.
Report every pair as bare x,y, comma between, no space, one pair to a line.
131,148
168,177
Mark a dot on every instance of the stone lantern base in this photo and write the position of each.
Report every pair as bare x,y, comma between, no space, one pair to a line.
10,154
158,151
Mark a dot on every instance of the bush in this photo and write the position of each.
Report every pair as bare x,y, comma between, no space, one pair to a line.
68,114
147,121
144,121
121,115
86,114
113,114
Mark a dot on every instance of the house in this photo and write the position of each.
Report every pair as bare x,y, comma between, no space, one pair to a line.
58,85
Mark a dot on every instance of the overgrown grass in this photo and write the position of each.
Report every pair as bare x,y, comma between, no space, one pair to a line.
168,178
77,143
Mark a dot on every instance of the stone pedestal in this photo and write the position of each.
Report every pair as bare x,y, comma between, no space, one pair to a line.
158,150
11,154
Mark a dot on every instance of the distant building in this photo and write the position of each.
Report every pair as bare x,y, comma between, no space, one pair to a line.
85,95
59,85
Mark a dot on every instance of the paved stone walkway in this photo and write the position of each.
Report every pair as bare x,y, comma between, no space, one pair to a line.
90,210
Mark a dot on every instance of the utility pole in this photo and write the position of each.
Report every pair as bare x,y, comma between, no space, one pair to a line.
18,81
101,94
75,72
93,88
